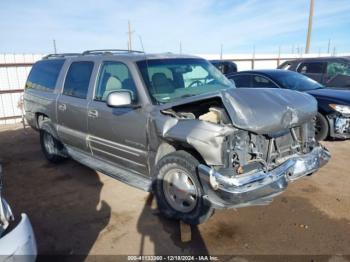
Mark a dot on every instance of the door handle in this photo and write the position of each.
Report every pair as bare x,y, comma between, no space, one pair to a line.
93,113
62,107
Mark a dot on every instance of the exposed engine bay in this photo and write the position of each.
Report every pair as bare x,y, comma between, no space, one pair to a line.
246,151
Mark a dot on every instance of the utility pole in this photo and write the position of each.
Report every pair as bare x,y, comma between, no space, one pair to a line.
279,56
129,35
54,46
180,48
221,52
329,46
309,29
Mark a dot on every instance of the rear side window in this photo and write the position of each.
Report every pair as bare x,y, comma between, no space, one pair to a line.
242,80
312,68
260,81
44,74
78,79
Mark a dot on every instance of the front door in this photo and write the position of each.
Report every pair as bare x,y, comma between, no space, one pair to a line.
337,75
314,70
117,135
72,105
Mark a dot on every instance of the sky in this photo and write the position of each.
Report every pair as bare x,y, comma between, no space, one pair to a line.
201,26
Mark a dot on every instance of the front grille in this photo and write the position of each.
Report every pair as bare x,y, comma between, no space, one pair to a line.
271,149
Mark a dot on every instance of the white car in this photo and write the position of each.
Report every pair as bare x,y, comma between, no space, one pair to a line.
18,244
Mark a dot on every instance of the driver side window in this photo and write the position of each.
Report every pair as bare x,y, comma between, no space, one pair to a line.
336,68
114,76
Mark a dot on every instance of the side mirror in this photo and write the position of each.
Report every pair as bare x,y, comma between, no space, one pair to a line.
119,98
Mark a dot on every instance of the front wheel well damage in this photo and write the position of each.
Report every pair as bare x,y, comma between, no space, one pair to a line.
167,148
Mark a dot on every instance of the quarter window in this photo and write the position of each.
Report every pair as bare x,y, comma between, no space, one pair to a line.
78,79
44,74
114,76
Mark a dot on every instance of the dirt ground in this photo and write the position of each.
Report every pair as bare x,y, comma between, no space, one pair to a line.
75,210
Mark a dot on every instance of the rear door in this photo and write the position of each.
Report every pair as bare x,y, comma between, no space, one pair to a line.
314,70
72,105
117,135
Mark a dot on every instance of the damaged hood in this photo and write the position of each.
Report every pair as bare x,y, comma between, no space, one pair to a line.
265,111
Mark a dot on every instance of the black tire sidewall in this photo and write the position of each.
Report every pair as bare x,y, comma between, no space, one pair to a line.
54,158
323,133
185,161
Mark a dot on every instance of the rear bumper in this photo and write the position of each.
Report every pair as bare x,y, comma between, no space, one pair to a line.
261,187
31,119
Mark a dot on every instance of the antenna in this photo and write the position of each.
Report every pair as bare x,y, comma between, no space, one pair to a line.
141,43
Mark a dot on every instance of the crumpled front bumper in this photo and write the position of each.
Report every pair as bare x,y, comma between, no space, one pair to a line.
261,187
19,244
339,126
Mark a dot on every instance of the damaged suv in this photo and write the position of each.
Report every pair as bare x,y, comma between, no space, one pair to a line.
173,125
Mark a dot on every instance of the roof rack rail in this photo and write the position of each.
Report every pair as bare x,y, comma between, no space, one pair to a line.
61,55
109,51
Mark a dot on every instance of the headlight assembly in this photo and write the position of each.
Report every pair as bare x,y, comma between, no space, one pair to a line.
340,108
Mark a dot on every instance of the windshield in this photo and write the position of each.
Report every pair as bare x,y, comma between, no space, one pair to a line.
296,81
168,80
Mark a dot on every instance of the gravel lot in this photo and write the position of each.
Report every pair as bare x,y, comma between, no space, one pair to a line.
75,210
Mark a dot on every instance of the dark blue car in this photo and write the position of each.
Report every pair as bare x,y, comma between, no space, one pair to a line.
333,118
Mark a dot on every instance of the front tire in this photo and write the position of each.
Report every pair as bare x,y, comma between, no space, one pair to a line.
51,147
322,127
178,191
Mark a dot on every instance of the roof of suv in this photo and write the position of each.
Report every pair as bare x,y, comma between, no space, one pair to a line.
133,56
321,59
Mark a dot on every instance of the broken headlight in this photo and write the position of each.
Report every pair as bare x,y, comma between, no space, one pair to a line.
341,108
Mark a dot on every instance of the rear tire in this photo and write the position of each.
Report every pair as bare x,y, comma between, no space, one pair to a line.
178,191
322,127
51,147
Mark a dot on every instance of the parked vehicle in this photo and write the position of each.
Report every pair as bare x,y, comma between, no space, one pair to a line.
225,67
328,71
19,243
173,125
333,117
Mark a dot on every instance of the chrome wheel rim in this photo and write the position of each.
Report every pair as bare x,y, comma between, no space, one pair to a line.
180,191
49,143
